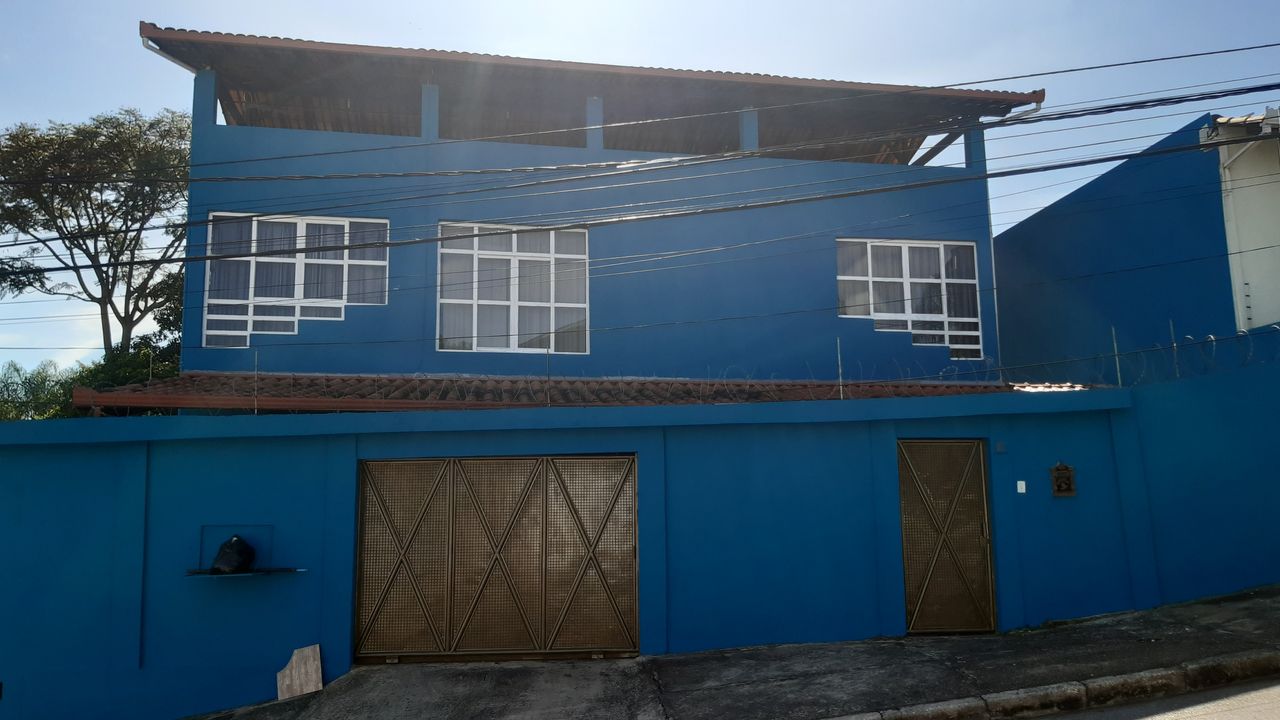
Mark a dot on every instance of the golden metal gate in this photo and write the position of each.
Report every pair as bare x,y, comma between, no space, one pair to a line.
523,557
946,538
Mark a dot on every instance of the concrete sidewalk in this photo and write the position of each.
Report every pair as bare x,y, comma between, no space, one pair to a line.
1069,666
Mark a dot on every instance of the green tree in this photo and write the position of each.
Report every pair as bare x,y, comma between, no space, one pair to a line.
42,392
84,195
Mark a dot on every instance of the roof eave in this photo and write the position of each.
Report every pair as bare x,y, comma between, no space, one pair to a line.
157,35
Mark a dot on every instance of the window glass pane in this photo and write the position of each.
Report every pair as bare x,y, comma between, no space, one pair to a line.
888,297
927,325
455,326
226,341
275,326
965,340
367,232
855,297
925,263
492,322
535,281
322,281
274,235
534,241
962,326
962,300
221,324
891,325
273,279
463,244
535,327
272,310
851,258
571,242
455,276
571,330
322,311
928,340
493,279
960,262
926,298
886,261
571,281
966,353
229,280
229,236
237,310
367,284
495,243
324,235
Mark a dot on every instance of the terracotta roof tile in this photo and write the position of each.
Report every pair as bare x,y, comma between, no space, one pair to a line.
156,33
327,393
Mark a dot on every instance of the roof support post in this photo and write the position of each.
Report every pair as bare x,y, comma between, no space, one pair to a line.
748,130
430,113
595,123
204,102
975,151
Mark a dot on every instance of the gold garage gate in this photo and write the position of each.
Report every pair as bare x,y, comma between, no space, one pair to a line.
513,557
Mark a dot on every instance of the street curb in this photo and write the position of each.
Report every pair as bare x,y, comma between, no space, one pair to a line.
1045,700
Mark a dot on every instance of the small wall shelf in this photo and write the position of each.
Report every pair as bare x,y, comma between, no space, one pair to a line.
260,571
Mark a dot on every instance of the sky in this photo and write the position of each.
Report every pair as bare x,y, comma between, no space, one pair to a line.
99,64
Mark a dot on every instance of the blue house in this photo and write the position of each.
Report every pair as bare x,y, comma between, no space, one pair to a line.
1158,251
703,358
490,215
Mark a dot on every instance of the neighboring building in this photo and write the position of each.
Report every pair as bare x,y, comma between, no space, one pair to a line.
762,293
1157,250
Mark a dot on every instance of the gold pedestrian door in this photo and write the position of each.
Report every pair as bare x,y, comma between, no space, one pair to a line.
946,538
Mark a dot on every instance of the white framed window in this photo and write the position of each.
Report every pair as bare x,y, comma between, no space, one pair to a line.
271,294
929,289
519,290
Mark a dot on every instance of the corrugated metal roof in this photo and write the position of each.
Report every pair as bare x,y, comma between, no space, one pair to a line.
161,35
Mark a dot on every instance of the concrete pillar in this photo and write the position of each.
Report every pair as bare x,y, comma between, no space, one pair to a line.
748,130
975,151
430,113
595,118
204,101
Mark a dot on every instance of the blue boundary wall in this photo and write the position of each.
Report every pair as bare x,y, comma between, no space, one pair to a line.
757,524
1141,248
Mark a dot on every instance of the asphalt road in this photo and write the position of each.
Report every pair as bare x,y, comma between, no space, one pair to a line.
1252,701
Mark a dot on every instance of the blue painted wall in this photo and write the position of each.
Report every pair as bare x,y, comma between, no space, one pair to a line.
1208,449
667,319
757,524
1136,248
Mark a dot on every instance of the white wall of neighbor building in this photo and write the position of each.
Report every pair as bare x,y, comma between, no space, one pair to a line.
1251,206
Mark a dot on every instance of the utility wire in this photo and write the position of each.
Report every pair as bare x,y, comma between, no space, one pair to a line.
173,226
678,162
666,201
691,212
868,305
737,111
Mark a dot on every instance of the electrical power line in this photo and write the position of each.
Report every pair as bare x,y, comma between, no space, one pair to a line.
868,305
689,212
171,226
736,111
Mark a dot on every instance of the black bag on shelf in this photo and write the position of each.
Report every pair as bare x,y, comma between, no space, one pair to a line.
234,556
